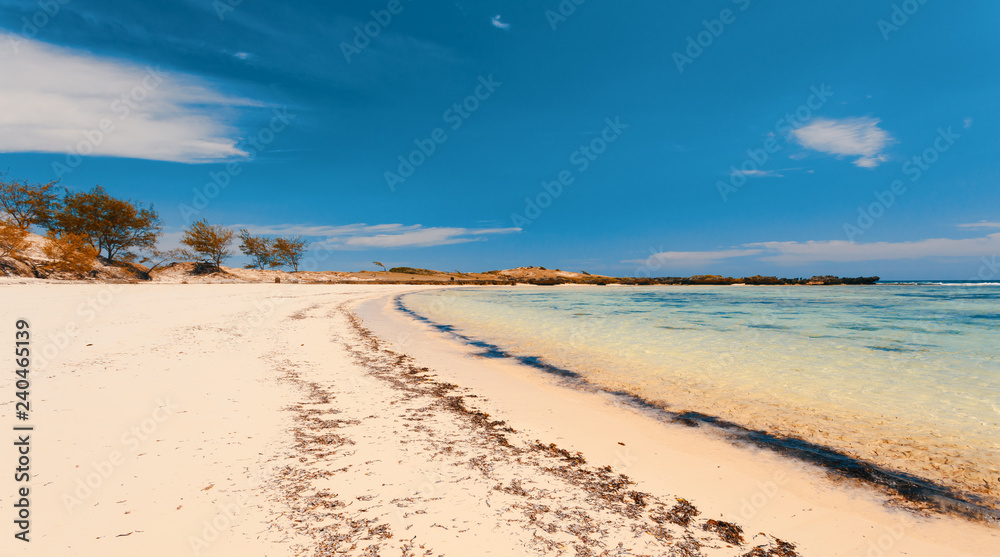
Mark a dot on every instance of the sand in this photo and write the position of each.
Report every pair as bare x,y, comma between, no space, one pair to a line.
268,419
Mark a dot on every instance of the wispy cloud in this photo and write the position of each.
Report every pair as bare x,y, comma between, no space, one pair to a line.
980,224
842,250
367,236
56,100
496,21
690,258
848,137
757,173
790,253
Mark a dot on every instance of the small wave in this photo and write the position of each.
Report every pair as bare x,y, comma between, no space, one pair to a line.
857,327
935,283
891,349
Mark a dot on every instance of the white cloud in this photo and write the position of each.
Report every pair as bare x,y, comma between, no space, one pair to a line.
871,162
757,173
850,137
842,250
834,251
980,224
967,123
365,236
54,100
498,23
690,258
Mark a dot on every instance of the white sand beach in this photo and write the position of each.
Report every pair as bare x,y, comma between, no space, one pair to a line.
280,419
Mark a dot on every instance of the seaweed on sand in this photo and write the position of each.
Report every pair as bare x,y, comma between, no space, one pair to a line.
729,532
780,548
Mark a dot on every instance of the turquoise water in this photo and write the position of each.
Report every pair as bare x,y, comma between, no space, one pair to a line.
903,376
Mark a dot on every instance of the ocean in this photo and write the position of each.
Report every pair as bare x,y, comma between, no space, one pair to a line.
894,383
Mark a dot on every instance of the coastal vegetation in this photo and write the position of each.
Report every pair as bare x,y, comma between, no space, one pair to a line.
260,250
27,204
208,243
13,239
288,251
412,271
270,253
91,230
116,228
69,253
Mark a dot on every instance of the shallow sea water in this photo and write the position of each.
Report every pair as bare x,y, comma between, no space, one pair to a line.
902,376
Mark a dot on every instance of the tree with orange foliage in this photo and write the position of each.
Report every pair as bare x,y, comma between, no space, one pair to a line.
28,204
69,253
110,225
209,243
289,251
13,239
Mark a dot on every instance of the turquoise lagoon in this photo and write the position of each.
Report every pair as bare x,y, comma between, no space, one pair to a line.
904,377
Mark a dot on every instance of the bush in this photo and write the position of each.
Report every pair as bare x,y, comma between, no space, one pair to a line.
412,271
13,239
69,253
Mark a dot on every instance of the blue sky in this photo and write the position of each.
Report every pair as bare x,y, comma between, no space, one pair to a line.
734,137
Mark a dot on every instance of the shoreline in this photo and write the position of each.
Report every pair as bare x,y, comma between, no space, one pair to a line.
320,421
916,492
849,513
